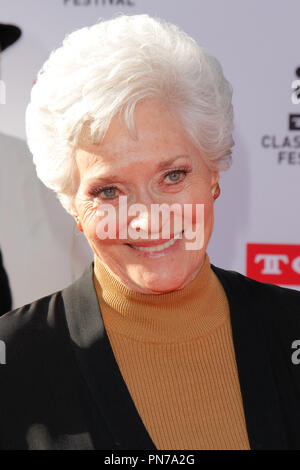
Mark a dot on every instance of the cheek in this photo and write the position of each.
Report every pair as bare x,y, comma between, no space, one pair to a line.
86,209
208,215
200,194
102,229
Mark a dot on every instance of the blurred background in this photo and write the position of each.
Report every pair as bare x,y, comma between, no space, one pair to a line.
257,224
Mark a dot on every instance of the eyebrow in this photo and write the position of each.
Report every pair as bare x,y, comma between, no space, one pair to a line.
102,179
166,163
112,178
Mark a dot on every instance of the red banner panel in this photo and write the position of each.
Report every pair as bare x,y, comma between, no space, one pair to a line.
275,264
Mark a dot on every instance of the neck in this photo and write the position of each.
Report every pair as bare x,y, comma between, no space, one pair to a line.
182,315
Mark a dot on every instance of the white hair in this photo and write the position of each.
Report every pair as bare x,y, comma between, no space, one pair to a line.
106,69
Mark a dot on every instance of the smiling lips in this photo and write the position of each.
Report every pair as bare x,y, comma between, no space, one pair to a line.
158,246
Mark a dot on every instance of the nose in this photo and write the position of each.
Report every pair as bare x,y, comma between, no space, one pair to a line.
151,218
154,222
139,214
139,226
141,222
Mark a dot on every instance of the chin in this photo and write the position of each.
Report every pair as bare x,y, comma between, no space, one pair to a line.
158,285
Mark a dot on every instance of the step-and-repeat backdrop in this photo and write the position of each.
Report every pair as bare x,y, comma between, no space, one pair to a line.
257,225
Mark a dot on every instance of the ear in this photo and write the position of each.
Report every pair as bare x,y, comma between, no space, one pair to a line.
78,223
74,214
215,176
73,210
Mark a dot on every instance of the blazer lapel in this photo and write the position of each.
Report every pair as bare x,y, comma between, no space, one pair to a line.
259,393
99,367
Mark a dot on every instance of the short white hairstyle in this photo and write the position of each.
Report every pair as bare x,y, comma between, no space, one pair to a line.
105,70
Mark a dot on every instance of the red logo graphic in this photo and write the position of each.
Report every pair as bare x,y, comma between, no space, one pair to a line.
275,264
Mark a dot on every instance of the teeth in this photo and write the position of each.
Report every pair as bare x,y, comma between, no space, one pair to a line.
161,247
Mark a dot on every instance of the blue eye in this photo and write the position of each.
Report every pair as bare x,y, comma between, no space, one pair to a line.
175,175
108,192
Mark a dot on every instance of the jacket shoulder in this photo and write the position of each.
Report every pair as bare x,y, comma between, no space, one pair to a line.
25,328
246,282
271,302
41,388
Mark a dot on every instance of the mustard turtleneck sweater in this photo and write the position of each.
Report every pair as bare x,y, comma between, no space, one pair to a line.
176,355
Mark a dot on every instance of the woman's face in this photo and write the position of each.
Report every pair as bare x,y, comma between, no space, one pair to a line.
159,166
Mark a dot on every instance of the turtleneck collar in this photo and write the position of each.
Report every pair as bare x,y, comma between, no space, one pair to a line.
181,315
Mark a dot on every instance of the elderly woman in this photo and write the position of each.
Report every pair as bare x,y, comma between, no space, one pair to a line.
153,347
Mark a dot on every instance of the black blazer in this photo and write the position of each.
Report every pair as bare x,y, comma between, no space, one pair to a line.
61,387
5,294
